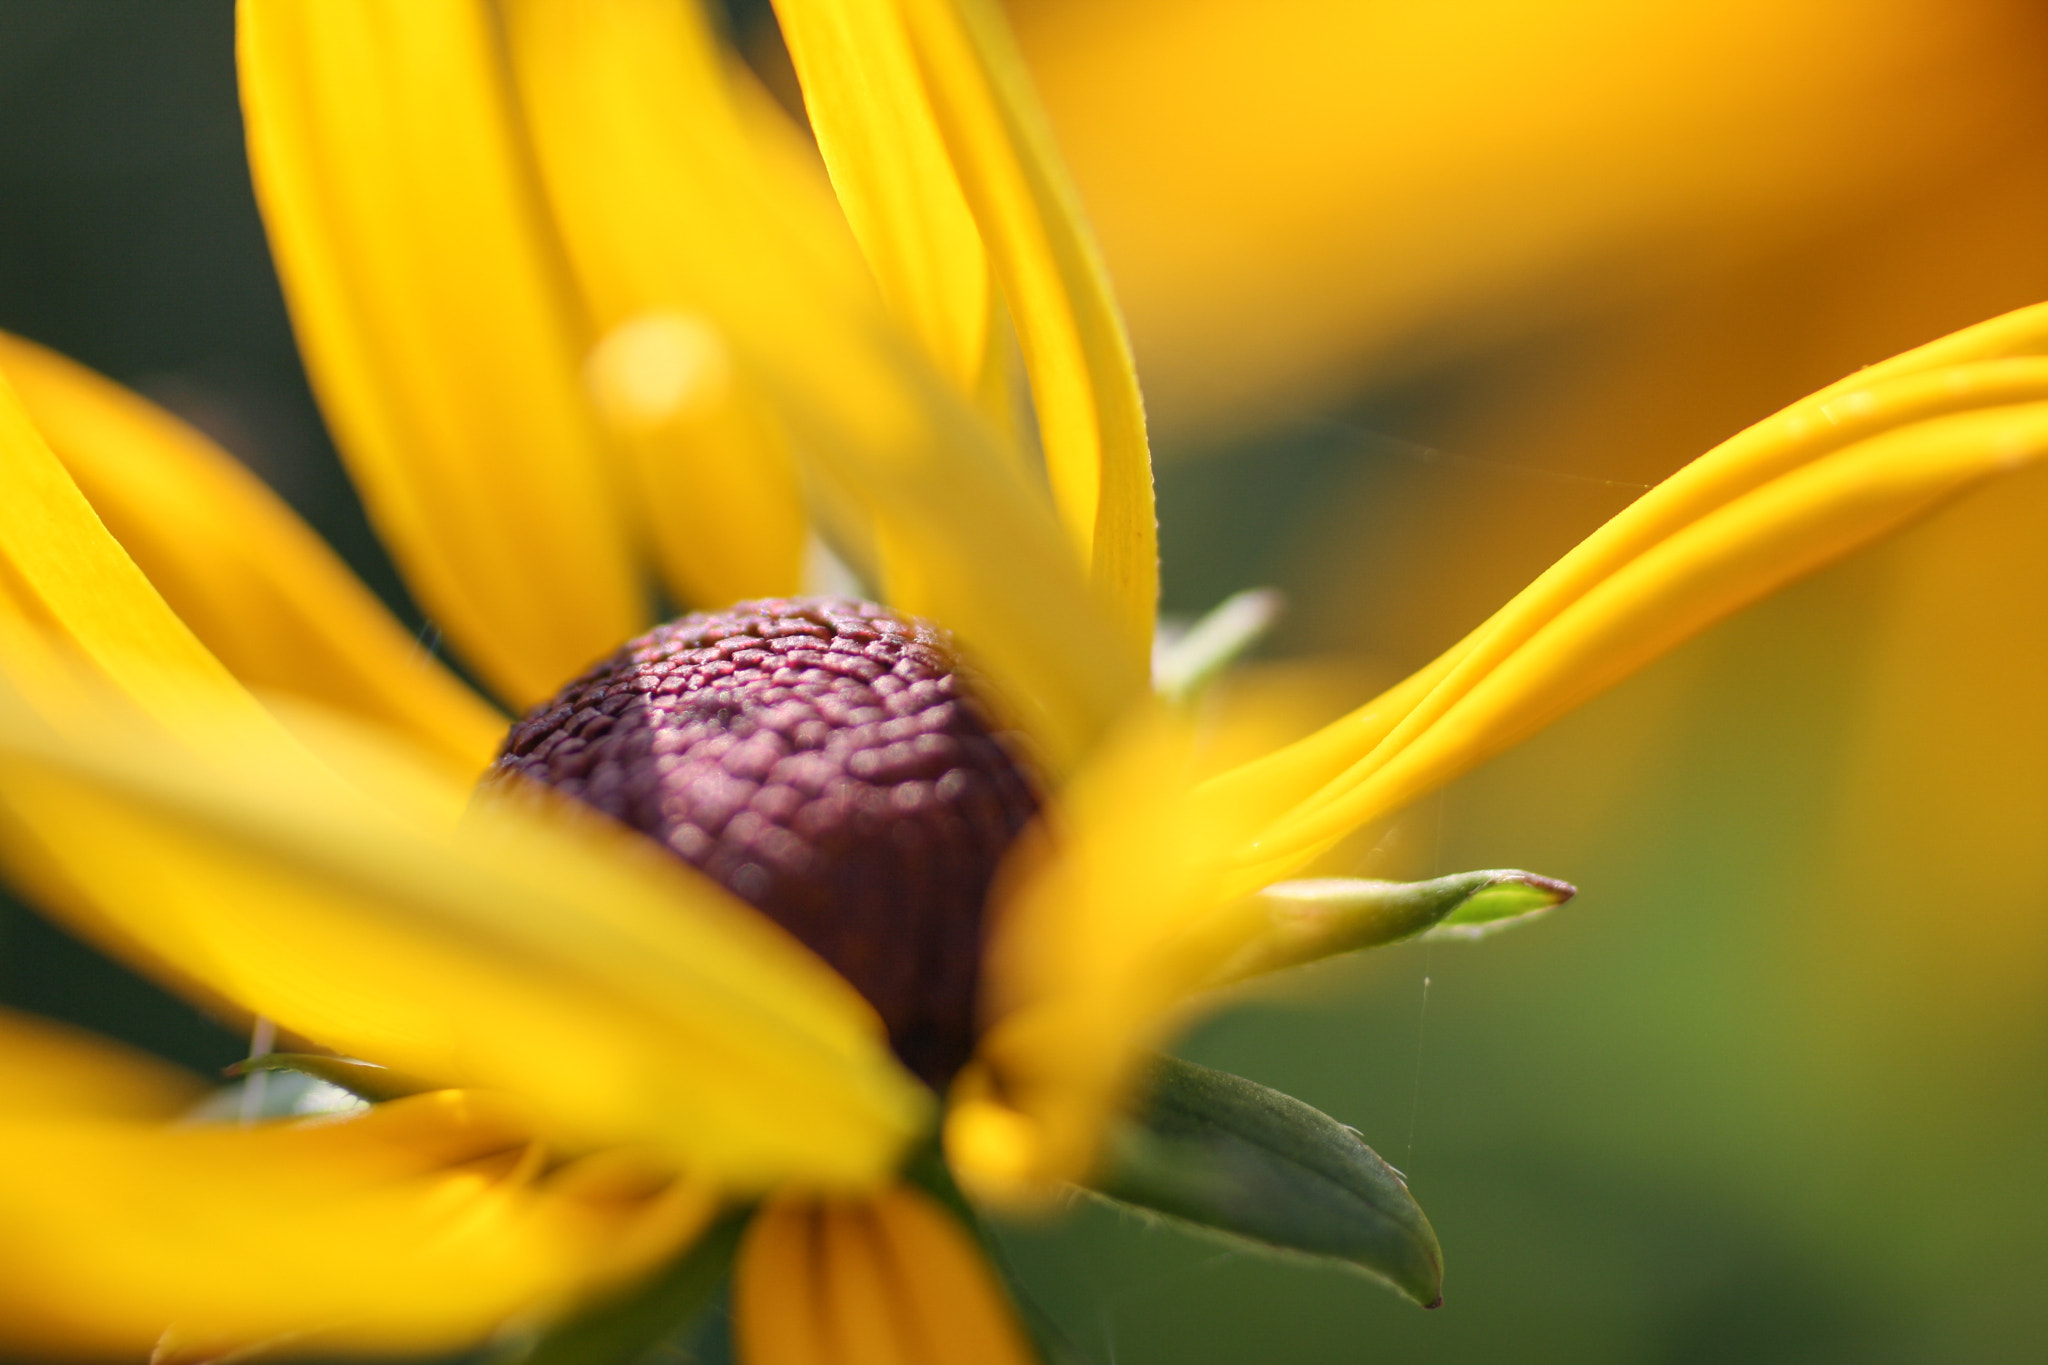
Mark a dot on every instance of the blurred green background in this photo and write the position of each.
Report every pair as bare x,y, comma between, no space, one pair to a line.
1772,1088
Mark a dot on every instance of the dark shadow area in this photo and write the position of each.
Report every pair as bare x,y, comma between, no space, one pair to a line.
129,238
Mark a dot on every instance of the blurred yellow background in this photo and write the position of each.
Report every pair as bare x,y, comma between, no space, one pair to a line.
1422,292
1304,196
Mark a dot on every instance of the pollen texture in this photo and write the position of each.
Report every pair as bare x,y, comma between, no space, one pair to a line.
824,760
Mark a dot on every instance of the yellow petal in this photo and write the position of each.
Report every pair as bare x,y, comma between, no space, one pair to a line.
867,106
530,949
438,325
364,1230
62,577
79,622
858,1298
1734,555
634,126
717,485
954,1297
260,590
1266,788
1091,420
778,1290
49,1069
1917,387
2022,332
1106,921
896,93
893,1280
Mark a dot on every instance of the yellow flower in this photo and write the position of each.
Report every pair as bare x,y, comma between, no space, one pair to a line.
582,315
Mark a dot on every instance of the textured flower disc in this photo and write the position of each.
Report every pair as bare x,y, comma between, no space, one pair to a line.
824,760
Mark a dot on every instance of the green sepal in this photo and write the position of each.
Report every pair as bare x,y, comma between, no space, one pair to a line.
1315,919
1510,898
364,1080
660,1319
1239,1161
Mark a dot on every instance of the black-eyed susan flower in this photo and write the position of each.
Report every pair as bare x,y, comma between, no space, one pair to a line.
894,895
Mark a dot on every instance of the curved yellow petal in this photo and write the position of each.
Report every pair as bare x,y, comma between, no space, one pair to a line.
1106,921
917,104
79,621
1266,788
1979,368
1091,420
1741,551
364,1232
717,483
257,587
867,106
861,1305
718,489
953,1297
2022,332
778,1301
530,949
65,582
438,326
891,1280
52,1070
634,127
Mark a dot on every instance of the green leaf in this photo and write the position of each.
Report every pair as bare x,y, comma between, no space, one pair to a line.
1254,1166
651,1322
1312,920
364,1080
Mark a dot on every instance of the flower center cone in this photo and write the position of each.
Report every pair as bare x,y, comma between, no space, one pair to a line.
825,761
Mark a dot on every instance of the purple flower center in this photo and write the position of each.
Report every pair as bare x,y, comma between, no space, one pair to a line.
825,761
